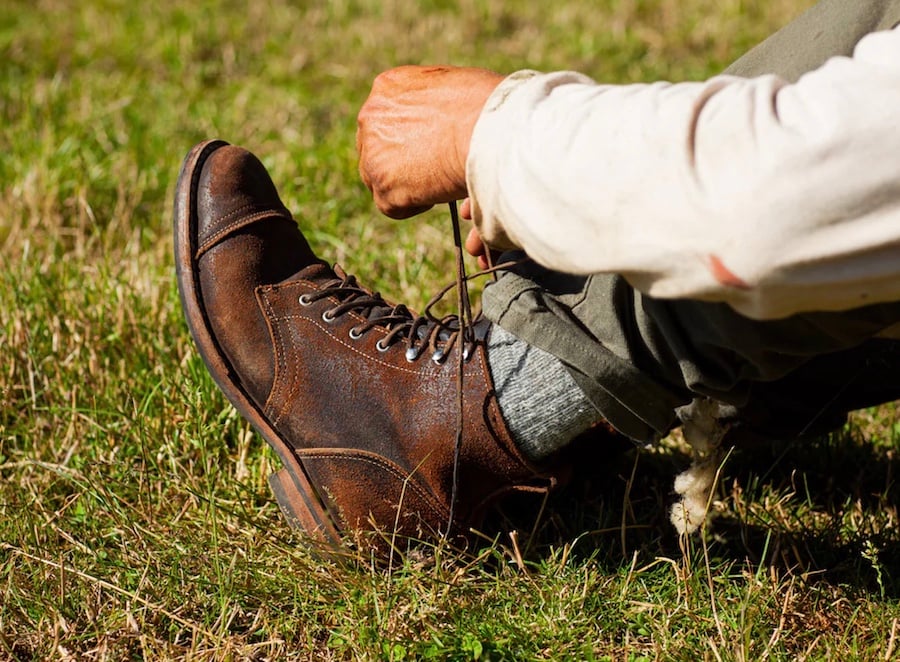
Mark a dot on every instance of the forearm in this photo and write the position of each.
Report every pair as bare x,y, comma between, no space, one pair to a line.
772,197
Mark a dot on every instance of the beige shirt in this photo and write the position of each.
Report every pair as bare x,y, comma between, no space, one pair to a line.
773,197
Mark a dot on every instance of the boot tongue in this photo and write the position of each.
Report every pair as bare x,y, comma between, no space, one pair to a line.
370,312
316,272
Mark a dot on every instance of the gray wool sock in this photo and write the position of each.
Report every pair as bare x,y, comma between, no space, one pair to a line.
540,402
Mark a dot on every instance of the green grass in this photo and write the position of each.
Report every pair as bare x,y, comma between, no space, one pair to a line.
135,520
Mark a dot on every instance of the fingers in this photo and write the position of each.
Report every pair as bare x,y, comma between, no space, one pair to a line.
465,209
473,244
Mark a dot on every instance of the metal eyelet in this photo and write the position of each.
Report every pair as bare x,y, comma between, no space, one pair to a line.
355,333
412,353
438,356
305,300
381,347
327,317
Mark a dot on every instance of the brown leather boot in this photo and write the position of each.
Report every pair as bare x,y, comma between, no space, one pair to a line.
359,397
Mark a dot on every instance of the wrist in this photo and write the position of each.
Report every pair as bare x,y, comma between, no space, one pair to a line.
482,86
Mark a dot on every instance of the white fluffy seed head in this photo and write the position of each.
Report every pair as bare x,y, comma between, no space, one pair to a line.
701,424
695,487
703,428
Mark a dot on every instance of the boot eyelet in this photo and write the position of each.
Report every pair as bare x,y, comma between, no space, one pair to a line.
438,356
355,333
328,317
381,347
305,300
412,353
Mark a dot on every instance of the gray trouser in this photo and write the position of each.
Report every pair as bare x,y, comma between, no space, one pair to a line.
638,358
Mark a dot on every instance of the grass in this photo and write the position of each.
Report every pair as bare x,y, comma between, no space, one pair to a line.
135,519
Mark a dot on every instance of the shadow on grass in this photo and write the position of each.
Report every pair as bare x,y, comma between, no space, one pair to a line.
823,509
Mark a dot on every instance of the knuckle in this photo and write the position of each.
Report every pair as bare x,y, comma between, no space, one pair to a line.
388,203
382,80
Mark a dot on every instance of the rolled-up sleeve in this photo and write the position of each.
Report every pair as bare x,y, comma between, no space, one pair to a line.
775,198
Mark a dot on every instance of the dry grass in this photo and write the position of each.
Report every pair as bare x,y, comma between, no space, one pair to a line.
135,521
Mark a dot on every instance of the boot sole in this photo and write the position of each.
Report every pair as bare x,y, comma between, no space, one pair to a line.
294,492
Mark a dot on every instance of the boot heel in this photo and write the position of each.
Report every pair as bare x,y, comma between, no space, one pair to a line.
298,509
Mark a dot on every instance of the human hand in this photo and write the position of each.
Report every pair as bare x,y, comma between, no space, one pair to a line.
413,135
474,244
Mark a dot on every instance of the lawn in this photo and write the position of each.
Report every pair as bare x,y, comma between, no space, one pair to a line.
135,516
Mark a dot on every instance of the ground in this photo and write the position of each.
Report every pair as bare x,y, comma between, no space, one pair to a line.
135,520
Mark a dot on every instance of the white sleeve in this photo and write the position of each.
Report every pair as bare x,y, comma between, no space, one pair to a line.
773,197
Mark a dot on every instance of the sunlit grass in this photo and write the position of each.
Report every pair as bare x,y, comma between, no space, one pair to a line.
135,520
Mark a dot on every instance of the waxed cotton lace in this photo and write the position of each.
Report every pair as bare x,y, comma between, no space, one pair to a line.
419,334
466,325
464,308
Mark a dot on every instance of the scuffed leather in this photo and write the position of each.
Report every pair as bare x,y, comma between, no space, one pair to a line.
374,432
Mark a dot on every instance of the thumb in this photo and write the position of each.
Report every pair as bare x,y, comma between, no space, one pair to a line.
465,209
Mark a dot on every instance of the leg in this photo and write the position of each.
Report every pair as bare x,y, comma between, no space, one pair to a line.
815,398
832,27
638,359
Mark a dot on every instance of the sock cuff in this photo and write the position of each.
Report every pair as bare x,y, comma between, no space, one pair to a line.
539,400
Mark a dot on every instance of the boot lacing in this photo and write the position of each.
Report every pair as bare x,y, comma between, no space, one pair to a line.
420,334
426,331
